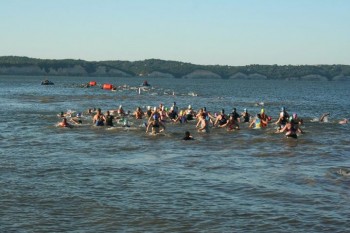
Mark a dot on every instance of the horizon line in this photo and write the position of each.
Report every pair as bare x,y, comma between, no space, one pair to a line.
79,59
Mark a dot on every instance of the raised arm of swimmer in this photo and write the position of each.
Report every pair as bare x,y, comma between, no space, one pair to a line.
323,116
148,126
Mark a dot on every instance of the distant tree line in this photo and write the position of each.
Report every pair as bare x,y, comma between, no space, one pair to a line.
179,69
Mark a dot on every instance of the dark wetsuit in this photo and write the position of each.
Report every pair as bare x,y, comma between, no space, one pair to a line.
235,116
172,115
291,133
109,120
284,119
149,113
189,117
246,117
223,119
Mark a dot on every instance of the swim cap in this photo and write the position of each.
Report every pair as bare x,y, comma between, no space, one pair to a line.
245,109
262,111
290,118
283,109
155,117
295,115
120,106
149,107
154,108
79,114
234,109
189,107
204,109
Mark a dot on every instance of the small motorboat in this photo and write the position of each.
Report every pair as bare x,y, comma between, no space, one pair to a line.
46,82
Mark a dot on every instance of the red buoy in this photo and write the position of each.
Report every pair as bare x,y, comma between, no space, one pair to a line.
107,86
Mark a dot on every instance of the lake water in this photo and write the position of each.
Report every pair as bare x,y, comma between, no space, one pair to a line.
94,179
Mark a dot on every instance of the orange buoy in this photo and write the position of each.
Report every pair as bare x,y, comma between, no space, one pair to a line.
93,83
107,86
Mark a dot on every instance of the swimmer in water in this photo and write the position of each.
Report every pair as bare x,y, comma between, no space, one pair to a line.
155,123
203,124
99,118
77,119
64,123
121,111
64,114
175,108
283,118
231,124
235,115
156,113
171,114
187,136
138,113
343,122
324,117
181,118
208,115
109,119
148,113
264,118
256,122
190,114
290,130
296,122
91,111
245,115
343,172
221,119
163,113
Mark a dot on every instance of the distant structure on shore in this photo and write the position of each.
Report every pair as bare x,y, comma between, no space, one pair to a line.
13,65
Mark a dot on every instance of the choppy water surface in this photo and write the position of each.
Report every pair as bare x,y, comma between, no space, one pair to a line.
91,179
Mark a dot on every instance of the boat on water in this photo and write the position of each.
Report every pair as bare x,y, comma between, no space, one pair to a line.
46,82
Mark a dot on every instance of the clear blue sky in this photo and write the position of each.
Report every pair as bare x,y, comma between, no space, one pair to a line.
225,32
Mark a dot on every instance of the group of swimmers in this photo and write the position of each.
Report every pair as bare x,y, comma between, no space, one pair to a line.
158,117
